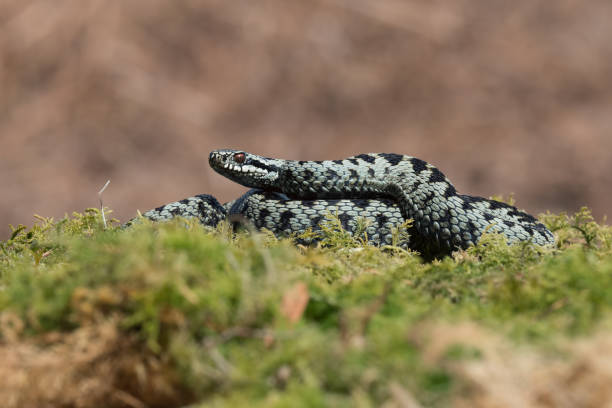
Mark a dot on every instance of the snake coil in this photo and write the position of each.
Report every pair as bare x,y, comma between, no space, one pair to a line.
383,188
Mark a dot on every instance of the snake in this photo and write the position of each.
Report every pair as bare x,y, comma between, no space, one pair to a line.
385,189
380,219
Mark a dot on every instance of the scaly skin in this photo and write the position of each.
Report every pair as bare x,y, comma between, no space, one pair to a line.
283,216
443,219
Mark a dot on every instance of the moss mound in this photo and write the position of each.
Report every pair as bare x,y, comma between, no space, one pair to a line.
177,314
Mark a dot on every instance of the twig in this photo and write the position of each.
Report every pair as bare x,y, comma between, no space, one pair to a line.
101,205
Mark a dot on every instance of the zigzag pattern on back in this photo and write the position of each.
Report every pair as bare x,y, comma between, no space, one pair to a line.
383,188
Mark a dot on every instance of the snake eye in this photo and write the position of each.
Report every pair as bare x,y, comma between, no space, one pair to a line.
239,158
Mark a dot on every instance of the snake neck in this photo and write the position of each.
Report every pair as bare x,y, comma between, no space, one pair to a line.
355,177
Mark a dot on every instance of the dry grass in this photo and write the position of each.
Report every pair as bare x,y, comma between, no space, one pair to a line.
511,376
92,366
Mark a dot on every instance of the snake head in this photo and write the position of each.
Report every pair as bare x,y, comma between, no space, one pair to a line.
244,168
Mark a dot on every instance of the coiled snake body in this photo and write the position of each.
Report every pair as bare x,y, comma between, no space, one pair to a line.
386,189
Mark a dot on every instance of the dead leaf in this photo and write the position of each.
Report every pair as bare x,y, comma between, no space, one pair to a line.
294,302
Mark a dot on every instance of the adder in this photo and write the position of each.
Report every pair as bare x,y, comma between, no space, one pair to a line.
384,189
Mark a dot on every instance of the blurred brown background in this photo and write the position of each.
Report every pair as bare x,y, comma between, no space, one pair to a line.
502,96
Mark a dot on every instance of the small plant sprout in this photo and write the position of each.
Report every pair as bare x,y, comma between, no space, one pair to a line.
101,203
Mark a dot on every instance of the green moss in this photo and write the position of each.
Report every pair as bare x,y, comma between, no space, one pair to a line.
215,303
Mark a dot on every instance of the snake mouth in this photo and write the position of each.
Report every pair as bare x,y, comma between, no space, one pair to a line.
235,162
244,168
